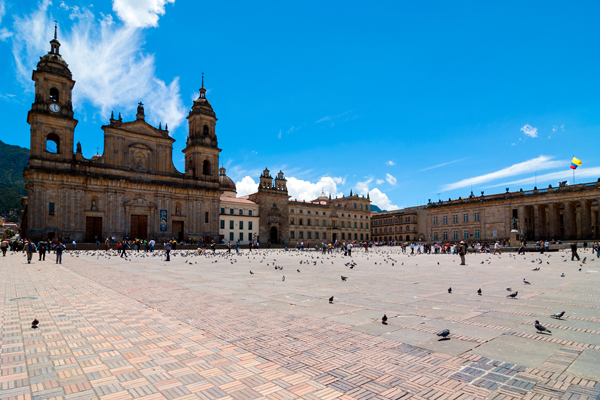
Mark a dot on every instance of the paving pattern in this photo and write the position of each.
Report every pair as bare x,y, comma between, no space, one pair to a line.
204,327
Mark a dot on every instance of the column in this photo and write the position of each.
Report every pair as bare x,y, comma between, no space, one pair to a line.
569,220
597,221
553,220
537,211
522,228
585,218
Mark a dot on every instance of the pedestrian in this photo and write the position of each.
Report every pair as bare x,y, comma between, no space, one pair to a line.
30,250
42,250
168,251
4,247
237,246
497,248
462,250
74,245
574,252
152,243
229,247
124,247
59,251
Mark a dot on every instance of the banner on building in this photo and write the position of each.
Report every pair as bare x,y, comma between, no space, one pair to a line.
163,220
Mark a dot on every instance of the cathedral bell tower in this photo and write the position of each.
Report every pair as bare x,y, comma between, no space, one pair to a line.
51,115
202,151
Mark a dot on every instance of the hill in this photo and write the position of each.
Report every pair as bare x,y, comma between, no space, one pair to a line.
12,185
376,209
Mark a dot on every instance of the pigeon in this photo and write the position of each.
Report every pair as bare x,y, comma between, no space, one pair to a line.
344,278
479,291
251,273
584,259
513,295
525,281
331,300
444,333
384,319
541,328
558,315
536,269
562,275
450,290
508,289
34,324
298,270
283,279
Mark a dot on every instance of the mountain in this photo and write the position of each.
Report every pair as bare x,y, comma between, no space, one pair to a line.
376,209
12,185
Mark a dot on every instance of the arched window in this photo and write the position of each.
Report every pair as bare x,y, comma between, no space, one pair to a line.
205,129
354,205
206,167
53,143
407,228
54,94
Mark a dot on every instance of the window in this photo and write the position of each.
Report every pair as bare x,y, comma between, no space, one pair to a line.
231,236
206,217
465,234
367,208
324,223
222,224
249,225
54,96
455,219
455,235
333,224
292,211
230,224
308,222
292,234
324,213
231,211
355,236
355,207
308,212
465,217
241,224
362,236
361,209
435,220
241,236
445,220
222,211
343,236
300,221
301,235
355,224
250,212
367,225
445,235
316,235
205,130
308,235
241,212
435,236
476,234
325,235
50,208
53,143
300,211
291,221
476,217
342,224
205,167
361,225
316,222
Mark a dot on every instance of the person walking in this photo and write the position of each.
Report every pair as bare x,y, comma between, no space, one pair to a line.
124,247
4,247
462,250
237,246
30,247
229,247
574,252
59,252
42,250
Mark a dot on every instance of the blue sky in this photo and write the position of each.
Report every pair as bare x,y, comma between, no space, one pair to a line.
404,100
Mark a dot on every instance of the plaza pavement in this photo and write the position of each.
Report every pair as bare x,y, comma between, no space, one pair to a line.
204,327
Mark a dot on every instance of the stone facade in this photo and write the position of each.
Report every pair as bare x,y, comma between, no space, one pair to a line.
273,206
406,225
238,217
566,213
132,189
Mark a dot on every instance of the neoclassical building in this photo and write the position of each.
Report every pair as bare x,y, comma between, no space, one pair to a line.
405,225
238,216
131,190
321,220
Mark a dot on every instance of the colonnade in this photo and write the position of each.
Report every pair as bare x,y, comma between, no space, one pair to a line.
571,219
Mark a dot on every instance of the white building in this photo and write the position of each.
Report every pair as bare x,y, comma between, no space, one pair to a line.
238,217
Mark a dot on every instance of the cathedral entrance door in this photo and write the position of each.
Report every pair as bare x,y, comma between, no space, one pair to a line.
178,230
273,236
333,237
139,227
93,229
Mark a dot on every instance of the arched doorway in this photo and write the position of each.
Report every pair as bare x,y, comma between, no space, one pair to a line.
273,235
407,238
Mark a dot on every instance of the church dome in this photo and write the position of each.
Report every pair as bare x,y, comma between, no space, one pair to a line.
323,196
225,182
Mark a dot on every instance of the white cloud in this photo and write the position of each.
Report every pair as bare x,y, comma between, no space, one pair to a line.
443,164
140,13
390,179
536,164
4,33
279,134
381,200
305,190
246,186
379,181
529,130
555,177
556,128
107,61
339,180
390,163
363,187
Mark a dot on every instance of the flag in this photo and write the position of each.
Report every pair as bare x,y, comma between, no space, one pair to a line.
575,163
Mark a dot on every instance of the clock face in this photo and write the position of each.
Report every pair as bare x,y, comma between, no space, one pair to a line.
54,107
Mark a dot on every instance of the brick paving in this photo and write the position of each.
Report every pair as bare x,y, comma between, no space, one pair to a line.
203,327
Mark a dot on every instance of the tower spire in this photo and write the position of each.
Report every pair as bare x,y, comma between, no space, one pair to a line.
202,90
55,29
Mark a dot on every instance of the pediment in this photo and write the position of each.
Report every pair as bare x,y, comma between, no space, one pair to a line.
139,202
141,128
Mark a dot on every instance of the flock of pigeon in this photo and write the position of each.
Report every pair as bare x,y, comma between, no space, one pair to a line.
308,258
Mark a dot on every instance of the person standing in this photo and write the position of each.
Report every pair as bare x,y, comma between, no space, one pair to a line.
574,252
237,246
168,251
152,243
42,250
59,251
4,247
229,247
123,248
30,247
462,250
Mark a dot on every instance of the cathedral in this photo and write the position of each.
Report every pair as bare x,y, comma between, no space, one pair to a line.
131,190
